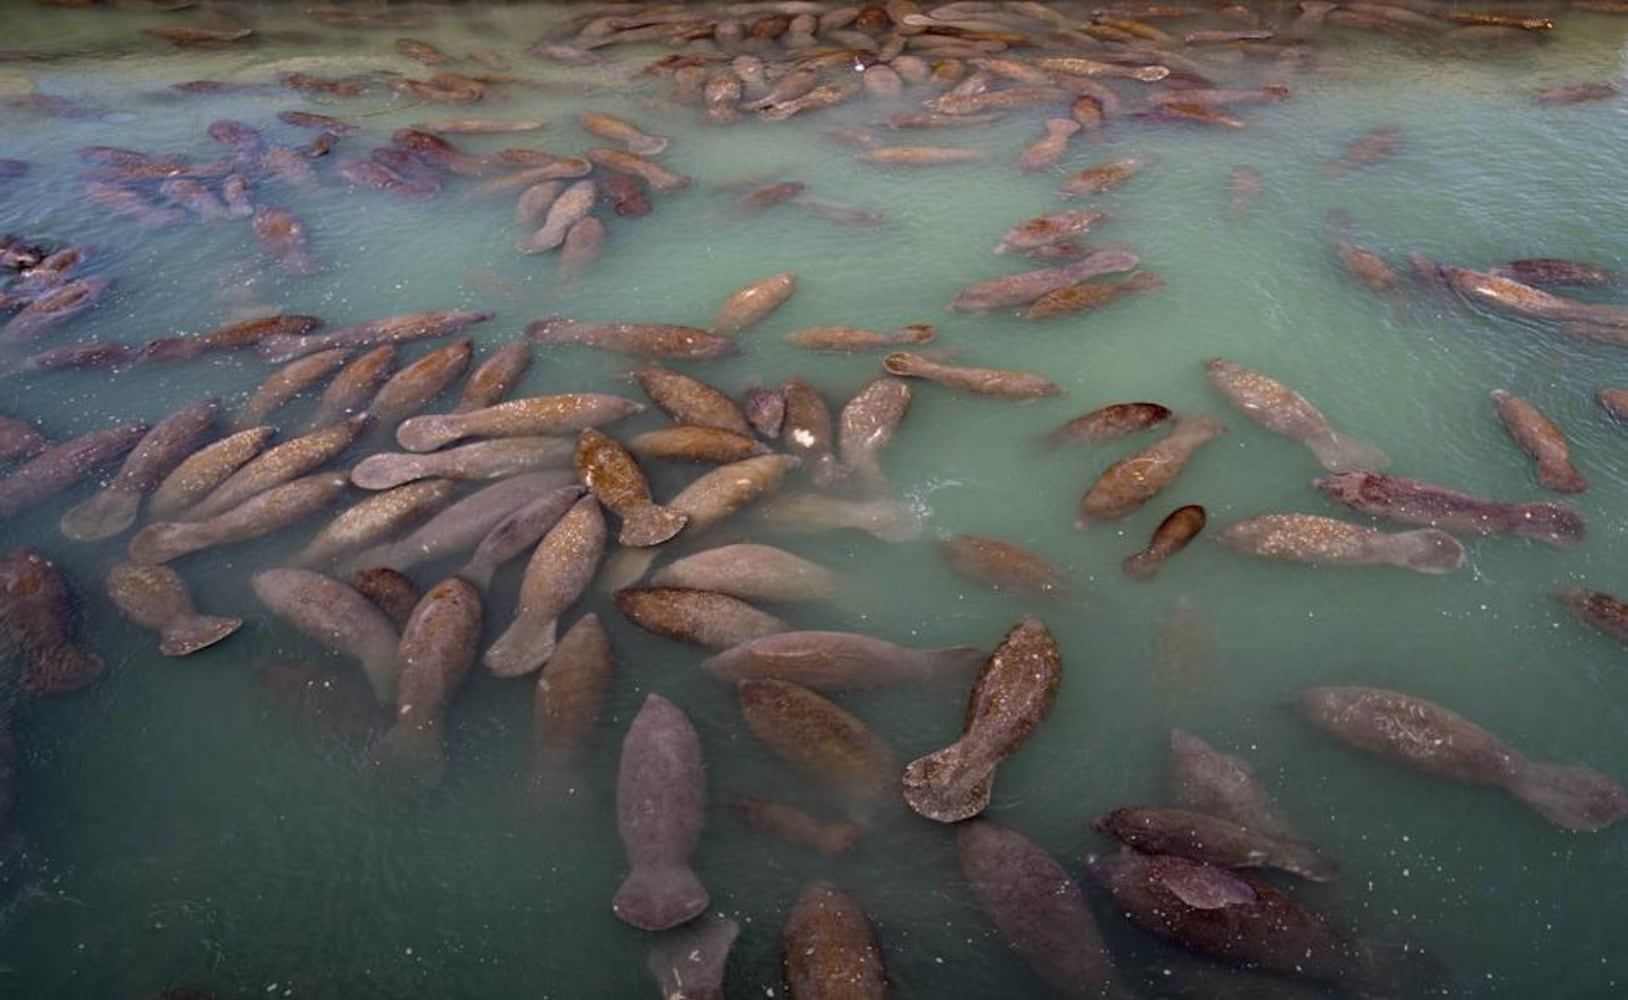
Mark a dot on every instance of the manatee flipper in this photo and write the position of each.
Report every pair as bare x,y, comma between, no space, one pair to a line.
655,897
1343,453
524,647
190,633
1206,887
1569,796
944,786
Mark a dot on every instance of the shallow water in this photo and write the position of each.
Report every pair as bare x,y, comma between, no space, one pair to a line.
186,831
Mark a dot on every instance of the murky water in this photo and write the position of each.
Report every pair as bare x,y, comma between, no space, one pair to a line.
185,831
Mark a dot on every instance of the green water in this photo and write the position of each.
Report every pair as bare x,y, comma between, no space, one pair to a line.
187,832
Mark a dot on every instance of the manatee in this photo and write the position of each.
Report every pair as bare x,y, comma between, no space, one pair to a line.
279,465
158,453
1100,178
843,338
571,693
644,340
156,598
688,964
260,515
1133,481
793,825
830,947
1324,541
286,383
653,174
883,519
1022,289
766,411
1213,840
839,660
527,417
1539,437
36,622
686,443
1109,422
1046,230
1598,610
1043,153
867,424
52,309
438,646
1410,501
698,617
1429,738
60,466
661,796
612,475
1002,565
374,519
495,378
283,236
1281,410
560,569
808,431
571,206
688,400
354,386
390,330
20,439
997,382
390,592
1009,700
1369,148
518,532
1172,535
418,384
752,304
1038,910
205,469
337,617
1224,786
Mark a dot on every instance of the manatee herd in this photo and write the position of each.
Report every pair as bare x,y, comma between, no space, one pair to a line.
484,529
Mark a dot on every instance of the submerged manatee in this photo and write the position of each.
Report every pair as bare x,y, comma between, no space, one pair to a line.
661,797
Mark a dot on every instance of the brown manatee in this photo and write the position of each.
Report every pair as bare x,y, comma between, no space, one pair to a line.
61,466
391,592
338,618
571,693
653,174
390,330
688,443
354,386
198,474
495,378
418,384
1615,402
765,410
1227,915
1043,153
1324,541
1281,410
156,598
560,569
752,573
571,206
1205,779
751,305
793,825
260,515
1108,422
374,519
1410,501
843,338
1088,295
1101,178
1002,565
518,532
831,949
612,475
1555,271
1539,437
1022,289
867,424
1045,230
283,236
498,458
438,646
838,660
824,741
36,621
698,617
286,383
688,964
1172,535
998,382
1133,481
157,454
1429,738
1522,299
1211,839
688,400
279,465
567,413
1011,697
661,798
624,132
808,431
1038,910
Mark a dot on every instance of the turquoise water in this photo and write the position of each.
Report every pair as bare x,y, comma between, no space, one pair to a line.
187,832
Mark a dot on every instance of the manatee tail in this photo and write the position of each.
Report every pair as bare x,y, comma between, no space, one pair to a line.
1141,565
1427,550
60,669
102,516
1343,453
1304,860
656,897
478,571
429,432
1571,797
525,647
190,633
411,754
1561,477
1552,523
650,525
946,787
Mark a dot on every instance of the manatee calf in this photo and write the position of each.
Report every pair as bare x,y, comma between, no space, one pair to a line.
661,798
1411,501
60,466
571,693
688,964
1172,535
830,948
1324,541
155,598
1213,840
560,569
750,572
1002,565
1133,481
1038,910
374,519
837,660
1109,422
793,825
438,646
205,469
698,617
823,741
1281,410
498,458
518,532
612,475
1539,437
1429,738
571,207
336,617
1009,700
260,515
36,621
751,305
154,457
998,382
